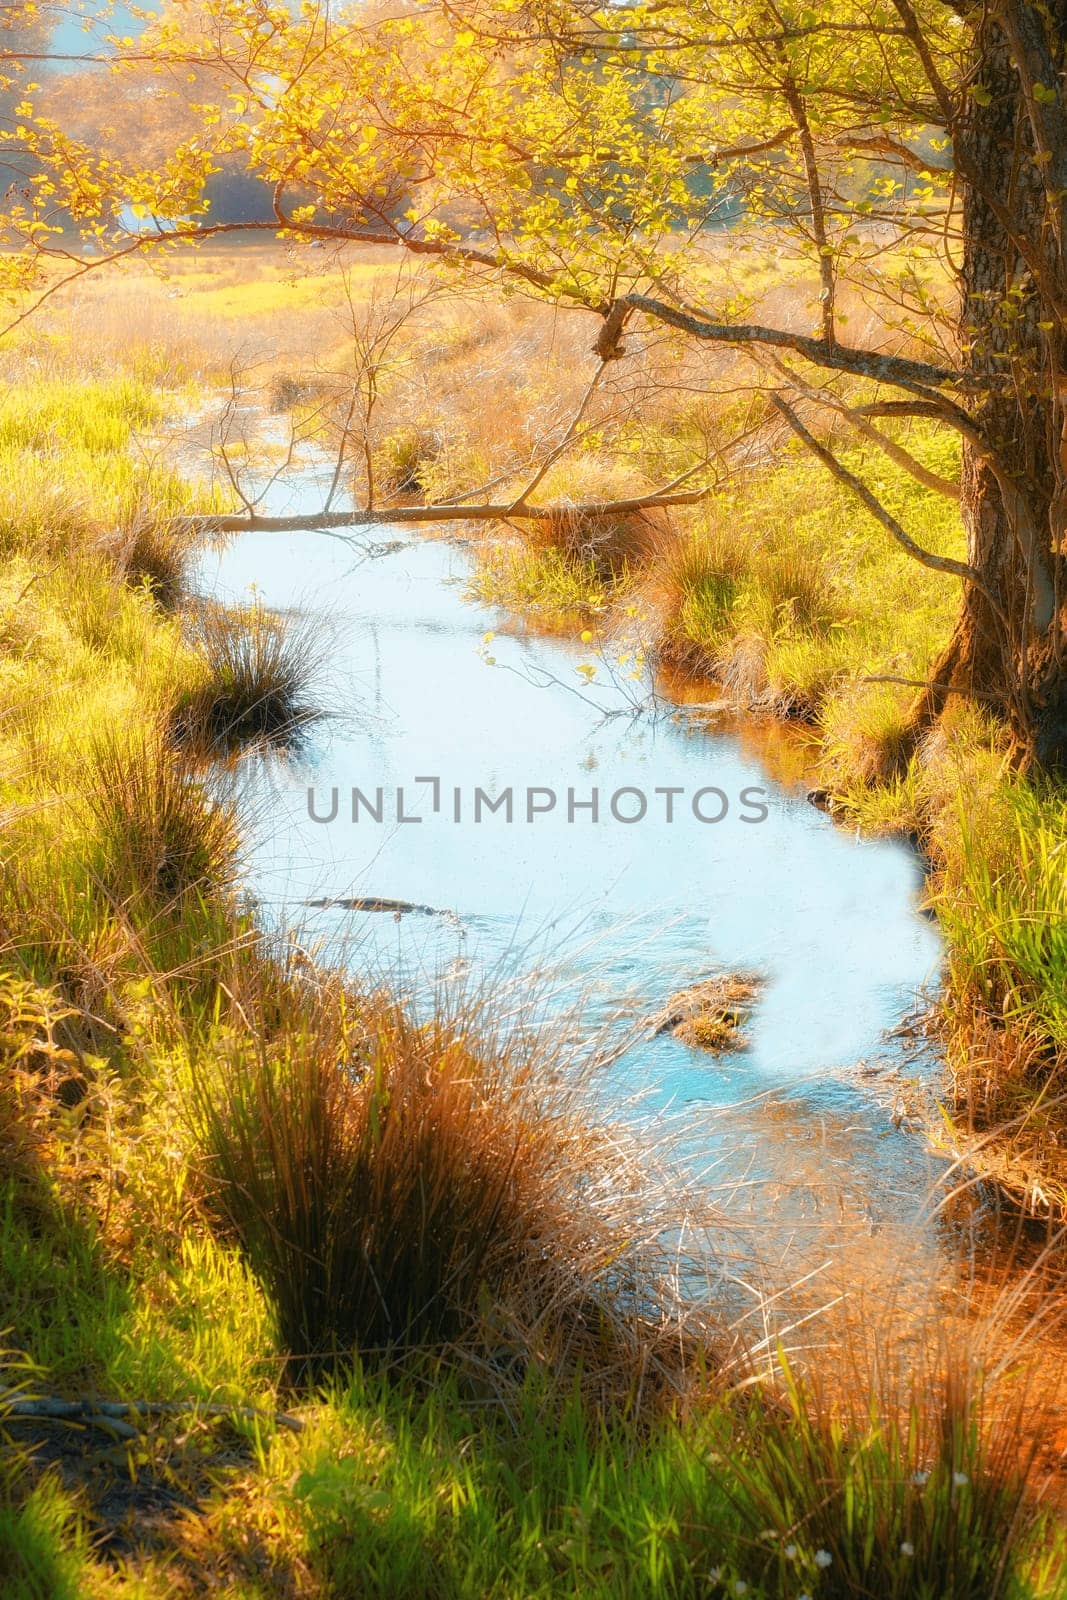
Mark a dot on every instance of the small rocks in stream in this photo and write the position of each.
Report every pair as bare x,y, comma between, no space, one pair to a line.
711,1015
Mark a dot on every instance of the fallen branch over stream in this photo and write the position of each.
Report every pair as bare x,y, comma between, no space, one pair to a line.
113,1416
518,511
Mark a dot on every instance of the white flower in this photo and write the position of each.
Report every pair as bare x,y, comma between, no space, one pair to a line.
790,1552
803,1597
959,1479
740,1586
715,1574
920,1478
823,1559
907,1548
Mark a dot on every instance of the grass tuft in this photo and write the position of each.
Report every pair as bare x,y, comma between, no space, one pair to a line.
153,554
899,1499
156,835
397,1184
258,672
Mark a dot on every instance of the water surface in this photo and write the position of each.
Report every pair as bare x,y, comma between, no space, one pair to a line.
801,1134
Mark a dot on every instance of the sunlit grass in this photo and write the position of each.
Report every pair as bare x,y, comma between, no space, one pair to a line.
544,583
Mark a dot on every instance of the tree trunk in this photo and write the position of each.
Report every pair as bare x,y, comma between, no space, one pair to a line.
1005,651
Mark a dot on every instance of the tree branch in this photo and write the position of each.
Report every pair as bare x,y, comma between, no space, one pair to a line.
917,376
858,419
958,569
941,688
114,1415
312,521
892,150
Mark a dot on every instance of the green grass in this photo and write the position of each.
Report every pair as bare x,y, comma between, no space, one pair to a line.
68,475
1005,907
399,1490
44,1545
542,583
790,593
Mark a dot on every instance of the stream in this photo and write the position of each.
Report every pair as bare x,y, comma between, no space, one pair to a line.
804,1139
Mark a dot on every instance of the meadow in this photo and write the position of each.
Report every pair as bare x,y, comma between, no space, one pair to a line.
348,1304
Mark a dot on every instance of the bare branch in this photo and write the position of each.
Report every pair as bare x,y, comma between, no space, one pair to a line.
939,688
114,1415
567,440
857,417
324,520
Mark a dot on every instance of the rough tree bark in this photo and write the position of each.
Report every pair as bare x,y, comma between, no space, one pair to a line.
1006,649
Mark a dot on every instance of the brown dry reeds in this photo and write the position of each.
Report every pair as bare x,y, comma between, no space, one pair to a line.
398,1184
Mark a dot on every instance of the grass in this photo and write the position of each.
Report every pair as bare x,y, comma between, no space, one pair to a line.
404,459
397,1491
914,1502
256,684
155,556
220,1160
546,584
158,835
399,1185
790,594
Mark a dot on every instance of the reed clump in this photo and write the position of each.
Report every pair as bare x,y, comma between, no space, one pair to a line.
399,1184
911,1485
156,555
154,832
257,684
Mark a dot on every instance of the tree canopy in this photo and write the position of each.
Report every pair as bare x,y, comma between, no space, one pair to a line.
582,153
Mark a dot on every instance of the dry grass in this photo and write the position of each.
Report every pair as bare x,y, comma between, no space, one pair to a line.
399,1184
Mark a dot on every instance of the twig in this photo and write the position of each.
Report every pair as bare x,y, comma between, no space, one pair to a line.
38,577
943,688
